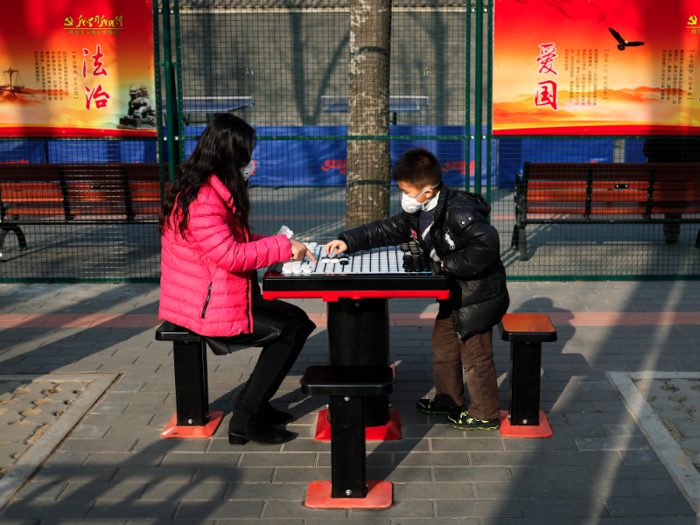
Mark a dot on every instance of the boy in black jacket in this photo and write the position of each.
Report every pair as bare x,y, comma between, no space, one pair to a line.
451,226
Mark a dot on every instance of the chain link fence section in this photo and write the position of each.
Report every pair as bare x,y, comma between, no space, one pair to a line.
598,207
337,91
79,210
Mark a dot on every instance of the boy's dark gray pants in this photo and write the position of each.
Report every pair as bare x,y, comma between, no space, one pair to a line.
471,360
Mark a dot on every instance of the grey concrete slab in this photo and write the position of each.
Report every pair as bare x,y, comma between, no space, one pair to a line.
658,506
401,509
565,508
23,509
41,491
289,509
480,508
561,458
133,509
102,491
472,474
238,475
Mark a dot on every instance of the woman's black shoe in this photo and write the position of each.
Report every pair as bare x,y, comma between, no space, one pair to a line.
276,417
260,431
273,416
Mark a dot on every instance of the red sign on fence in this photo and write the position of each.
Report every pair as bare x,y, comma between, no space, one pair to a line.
590,67
76,68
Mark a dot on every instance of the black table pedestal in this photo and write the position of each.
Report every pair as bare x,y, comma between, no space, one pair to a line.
358,334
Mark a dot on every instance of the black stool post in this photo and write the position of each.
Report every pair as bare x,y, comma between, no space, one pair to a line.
526,333
191,385
348,449
348,387
524,395
193,418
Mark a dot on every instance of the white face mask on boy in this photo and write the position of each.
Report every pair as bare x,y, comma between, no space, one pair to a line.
248,170
411,204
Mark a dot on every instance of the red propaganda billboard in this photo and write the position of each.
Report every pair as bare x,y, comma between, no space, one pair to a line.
579,67
77,68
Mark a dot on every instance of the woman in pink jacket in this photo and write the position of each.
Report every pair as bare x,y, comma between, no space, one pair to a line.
208,274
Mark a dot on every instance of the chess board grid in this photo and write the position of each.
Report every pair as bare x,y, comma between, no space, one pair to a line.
384,260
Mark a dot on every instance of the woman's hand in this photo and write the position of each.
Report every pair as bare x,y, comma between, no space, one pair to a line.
299,251
336,246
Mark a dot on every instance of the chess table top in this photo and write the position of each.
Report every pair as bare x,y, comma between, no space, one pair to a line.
377,273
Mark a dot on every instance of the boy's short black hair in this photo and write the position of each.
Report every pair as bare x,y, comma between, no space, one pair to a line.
418,167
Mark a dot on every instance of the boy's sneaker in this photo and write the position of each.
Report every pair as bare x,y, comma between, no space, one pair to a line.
431,406
464,421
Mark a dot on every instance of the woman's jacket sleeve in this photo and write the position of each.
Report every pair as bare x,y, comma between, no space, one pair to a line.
208,227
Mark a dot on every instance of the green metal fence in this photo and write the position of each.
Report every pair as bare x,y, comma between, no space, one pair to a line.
337,91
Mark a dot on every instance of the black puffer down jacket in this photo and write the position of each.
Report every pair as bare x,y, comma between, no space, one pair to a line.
468,247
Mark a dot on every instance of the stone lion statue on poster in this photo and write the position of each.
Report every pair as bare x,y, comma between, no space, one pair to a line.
142,112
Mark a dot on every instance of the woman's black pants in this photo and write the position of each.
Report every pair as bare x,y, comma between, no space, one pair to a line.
281,329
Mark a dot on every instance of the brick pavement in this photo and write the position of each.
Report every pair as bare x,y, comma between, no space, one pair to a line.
115,468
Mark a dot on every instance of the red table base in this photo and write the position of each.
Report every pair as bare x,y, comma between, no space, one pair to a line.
543,430
379,496
389,432
173,431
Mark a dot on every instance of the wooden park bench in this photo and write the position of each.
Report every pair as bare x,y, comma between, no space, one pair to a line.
606,193
32,194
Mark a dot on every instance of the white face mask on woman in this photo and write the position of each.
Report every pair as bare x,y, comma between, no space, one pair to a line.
411,204
248,170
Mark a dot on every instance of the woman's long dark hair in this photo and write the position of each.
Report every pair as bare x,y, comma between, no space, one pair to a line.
223,149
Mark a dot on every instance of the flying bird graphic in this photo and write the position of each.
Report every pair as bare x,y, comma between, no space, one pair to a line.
622,43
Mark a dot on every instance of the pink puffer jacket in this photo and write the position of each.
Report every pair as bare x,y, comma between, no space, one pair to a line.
204,283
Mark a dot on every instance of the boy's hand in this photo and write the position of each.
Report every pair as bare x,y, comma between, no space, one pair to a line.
336,246
299,251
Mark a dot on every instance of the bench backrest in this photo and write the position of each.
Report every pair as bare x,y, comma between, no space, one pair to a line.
610,187
81,189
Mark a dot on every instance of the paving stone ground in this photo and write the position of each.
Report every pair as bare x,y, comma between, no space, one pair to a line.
115,468
676,401
28,408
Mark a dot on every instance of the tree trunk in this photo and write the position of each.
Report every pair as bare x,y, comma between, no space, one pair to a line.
368,161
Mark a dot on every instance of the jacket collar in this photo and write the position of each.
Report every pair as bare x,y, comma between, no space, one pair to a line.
442,202
222,190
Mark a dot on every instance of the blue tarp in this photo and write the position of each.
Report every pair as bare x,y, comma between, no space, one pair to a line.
282,162
321,162
77,151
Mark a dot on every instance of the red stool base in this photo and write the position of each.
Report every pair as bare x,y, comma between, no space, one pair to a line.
543,430
389,432
171,430
379,496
